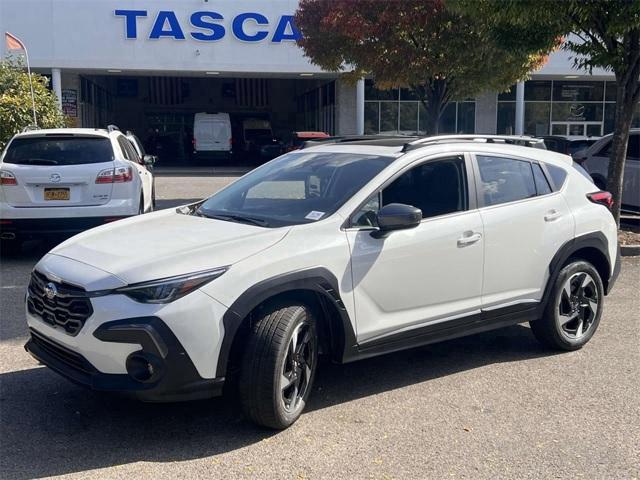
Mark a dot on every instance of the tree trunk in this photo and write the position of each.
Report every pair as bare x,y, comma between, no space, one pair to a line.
434,97
623,117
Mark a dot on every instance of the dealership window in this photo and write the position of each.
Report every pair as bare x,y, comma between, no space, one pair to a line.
400,110
562,107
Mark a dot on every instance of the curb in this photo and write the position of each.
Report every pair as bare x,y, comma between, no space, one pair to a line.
629,250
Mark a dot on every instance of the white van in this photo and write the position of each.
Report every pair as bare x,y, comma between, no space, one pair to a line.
212,134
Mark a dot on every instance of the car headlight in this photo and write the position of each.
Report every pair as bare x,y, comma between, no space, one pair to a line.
166,290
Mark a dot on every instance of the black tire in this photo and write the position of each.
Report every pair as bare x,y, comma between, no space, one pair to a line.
570,318
141,204
268,365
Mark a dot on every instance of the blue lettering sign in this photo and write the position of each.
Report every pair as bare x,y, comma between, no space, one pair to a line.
281,30
204,20
238,27
166,17
207,26
130,17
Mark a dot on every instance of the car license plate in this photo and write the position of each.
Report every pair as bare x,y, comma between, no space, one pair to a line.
57,194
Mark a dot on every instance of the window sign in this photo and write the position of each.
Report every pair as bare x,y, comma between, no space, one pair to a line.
70,102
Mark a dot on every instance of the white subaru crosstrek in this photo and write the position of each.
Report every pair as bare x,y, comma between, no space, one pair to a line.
68,180
348,250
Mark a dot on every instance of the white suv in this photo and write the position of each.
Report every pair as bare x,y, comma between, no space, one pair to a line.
68,180
348,250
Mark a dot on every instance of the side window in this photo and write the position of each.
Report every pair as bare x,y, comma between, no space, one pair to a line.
633,147
606,150
436,187
542,185
123,147
558,175
505,180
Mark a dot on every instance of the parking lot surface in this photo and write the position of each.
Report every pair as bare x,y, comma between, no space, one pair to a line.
494,405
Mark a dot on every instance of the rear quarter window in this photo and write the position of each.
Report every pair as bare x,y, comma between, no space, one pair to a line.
58,150
558,176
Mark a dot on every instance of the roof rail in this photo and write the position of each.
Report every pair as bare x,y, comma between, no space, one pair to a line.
29,128
113,128
314,142
522,140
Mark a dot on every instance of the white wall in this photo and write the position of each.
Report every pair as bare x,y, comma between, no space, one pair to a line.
86,34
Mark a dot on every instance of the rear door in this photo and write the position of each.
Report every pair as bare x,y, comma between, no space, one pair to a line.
57,170
525,224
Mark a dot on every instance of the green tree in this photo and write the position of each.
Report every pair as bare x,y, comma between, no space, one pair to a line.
600,33
15,101
441,55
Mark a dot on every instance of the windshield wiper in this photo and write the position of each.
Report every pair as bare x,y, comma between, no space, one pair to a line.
232,217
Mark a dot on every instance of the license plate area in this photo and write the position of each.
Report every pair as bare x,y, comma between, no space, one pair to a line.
57,194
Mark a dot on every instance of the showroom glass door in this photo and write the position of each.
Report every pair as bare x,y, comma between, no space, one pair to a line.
577,129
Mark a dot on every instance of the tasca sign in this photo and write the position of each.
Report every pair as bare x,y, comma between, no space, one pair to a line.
206,26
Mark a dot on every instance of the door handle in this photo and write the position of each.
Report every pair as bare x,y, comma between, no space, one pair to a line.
469,238
552,215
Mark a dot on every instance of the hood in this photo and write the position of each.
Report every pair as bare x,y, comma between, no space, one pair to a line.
165,244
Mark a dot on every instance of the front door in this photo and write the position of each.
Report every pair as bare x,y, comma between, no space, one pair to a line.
429,274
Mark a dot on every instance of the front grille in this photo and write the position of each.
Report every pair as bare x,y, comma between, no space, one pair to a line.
68,309
61,354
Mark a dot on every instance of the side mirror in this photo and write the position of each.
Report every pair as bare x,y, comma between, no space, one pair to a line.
149,160
397,216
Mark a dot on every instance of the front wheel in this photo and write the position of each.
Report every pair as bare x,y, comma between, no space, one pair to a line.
573,312
279,365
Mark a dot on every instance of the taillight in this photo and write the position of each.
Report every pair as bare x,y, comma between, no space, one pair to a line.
115,175
7,178
601,198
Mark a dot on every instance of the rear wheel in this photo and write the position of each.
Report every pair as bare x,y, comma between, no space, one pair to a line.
141,205
279,366
573,312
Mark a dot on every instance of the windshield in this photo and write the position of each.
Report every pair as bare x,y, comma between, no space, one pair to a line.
294,188
59,150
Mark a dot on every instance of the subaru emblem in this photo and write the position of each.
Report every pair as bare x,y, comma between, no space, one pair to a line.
50,291
55,178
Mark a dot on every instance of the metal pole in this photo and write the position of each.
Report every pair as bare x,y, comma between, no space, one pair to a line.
33,98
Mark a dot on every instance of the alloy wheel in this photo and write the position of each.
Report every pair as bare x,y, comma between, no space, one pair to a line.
578,305
298,367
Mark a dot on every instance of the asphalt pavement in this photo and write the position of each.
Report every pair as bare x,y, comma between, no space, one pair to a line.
494,405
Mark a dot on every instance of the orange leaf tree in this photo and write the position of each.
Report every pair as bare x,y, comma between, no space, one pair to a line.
440,54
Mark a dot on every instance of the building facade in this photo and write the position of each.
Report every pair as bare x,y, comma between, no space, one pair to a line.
150,65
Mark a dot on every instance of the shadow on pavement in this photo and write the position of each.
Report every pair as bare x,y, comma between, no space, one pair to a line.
52,427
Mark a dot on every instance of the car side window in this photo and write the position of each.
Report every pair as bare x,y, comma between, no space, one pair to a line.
542,184
436,187
124,149
504,180
606,150
633,147
558,175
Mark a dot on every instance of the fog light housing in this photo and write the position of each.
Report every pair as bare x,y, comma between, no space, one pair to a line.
143,367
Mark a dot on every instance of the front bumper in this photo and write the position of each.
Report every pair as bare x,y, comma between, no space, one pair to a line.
171,377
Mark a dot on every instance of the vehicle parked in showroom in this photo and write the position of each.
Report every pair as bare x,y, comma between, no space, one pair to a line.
61,181
298,139
212,136
258,139
349,250
567,144
595,160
